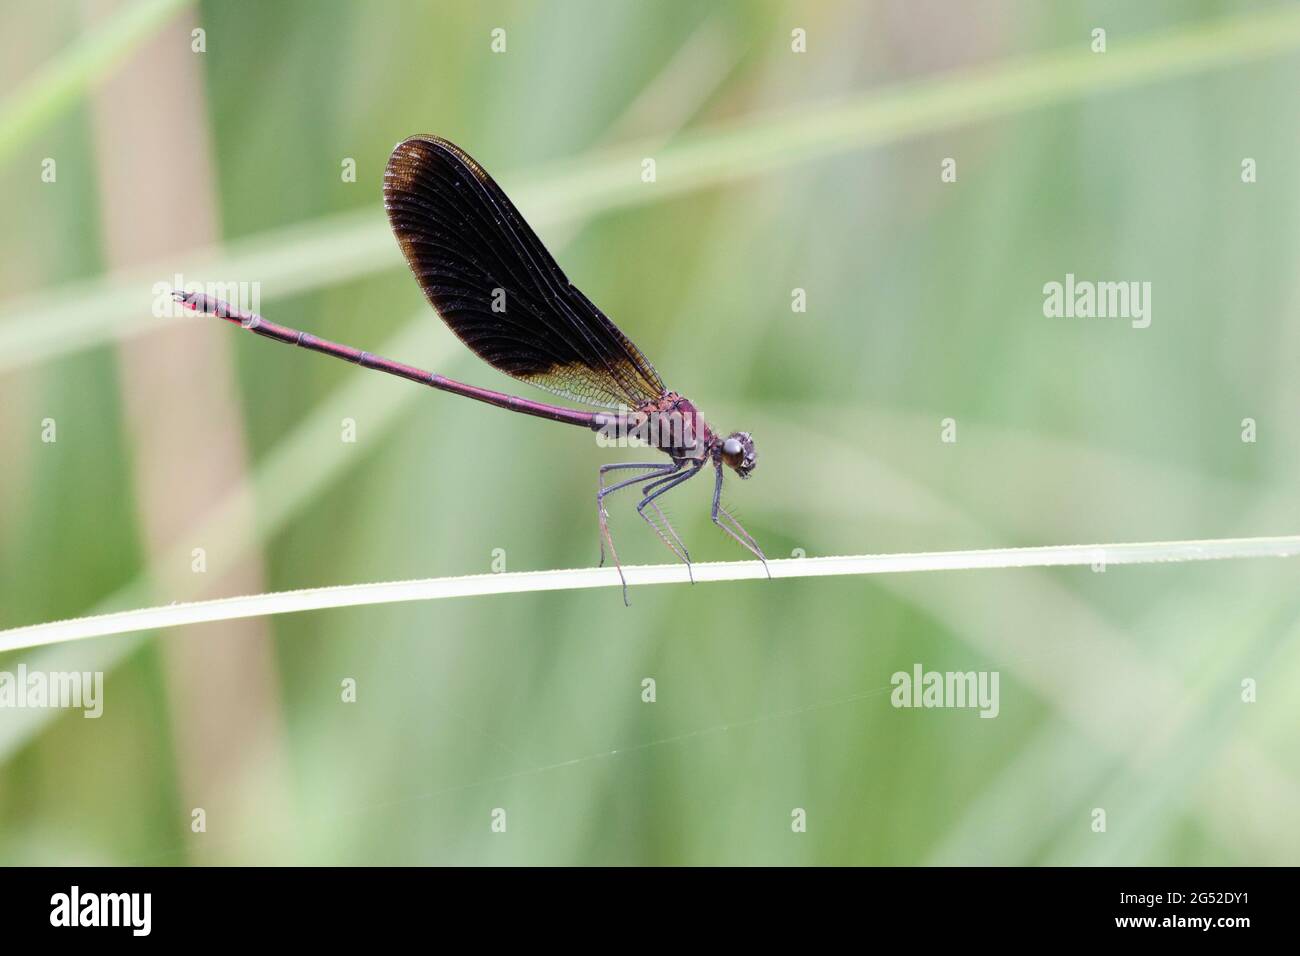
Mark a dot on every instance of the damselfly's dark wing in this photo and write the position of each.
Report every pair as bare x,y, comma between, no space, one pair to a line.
491,279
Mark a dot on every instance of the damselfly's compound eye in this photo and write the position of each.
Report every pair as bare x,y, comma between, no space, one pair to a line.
738,453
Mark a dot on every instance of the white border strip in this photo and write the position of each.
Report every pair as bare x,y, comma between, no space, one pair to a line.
315,599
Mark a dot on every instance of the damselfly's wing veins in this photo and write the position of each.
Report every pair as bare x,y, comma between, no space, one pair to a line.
493,282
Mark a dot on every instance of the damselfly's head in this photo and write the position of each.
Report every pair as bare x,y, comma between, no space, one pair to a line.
738,452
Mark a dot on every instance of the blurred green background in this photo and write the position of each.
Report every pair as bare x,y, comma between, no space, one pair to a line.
776,171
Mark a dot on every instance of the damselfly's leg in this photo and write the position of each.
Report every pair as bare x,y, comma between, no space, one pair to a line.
676,538
651,469
663,485
672,538
743,536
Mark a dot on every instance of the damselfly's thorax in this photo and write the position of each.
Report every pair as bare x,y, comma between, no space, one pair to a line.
674,425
